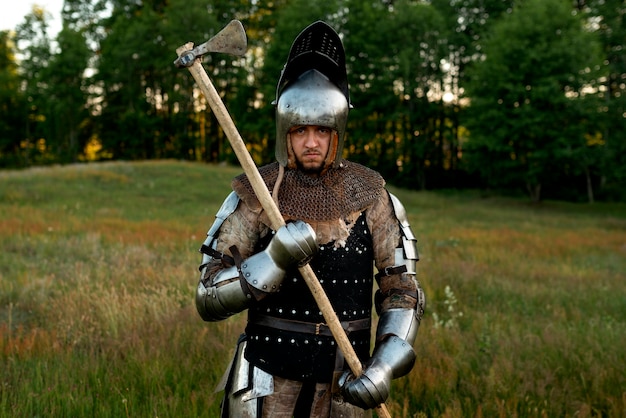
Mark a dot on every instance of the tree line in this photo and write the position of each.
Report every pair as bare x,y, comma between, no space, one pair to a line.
509,96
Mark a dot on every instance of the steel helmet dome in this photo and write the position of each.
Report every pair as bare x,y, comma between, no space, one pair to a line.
313,88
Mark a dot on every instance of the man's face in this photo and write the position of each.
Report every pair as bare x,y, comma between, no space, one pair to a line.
310,145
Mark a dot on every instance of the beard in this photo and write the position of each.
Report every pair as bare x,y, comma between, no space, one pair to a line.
314,169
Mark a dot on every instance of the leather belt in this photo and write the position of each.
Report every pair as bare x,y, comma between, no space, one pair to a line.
320,328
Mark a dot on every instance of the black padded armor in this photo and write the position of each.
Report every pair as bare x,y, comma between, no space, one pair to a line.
306,356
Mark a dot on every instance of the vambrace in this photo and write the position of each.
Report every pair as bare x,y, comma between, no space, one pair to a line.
224,298
395,335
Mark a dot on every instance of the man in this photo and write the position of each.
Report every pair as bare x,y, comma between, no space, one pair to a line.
341,220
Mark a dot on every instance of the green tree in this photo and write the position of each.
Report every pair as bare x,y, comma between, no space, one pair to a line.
606,18
66,109
426,144
371,85
466,23
527,97
138,118
35,48
12,104
399,121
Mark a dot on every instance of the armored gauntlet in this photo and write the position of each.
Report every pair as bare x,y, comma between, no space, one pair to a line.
293,244
393,358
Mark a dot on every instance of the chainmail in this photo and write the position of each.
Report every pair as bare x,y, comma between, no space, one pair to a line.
340,192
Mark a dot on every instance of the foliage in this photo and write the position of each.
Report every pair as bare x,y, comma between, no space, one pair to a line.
105,88
607,17
66,108
98,267
527,96
12,104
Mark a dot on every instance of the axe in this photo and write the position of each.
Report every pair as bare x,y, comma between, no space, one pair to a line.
232,40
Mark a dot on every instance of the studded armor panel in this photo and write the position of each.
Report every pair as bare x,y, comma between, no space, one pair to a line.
346,276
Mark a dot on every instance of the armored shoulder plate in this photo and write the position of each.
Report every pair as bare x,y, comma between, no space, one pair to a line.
228,207
409,242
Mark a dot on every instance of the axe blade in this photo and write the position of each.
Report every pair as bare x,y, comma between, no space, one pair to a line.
231,40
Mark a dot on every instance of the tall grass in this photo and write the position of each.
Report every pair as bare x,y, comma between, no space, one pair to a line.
526,312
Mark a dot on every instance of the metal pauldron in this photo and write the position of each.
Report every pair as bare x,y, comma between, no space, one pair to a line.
408,254
228,207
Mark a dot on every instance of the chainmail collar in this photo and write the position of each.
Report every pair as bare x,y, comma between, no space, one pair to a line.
330,203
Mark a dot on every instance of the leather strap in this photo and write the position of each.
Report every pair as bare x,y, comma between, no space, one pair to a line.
308,327
388,271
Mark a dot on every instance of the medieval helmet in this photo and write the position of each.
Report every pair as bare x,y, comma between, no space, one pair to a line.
313,88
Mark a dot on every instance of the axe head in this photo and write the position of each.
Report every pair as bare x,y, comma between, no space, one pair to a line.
230,40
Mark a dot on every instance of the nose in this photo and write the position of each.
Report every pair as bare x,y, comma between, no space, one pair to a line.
311,140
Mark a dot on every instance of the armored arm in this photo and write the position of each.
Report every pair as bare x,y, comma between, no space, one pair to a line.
393,354
230,284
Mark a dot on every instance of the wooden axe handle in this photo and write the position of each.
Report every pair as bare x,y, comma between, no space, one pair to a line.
260,189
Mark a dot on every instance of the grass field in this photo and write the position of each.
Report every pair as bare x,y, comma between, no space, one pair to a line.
526,312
